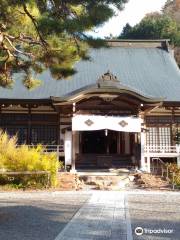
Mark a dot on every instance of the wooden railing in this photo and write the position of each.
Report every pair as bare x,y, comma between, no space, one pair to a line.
160,149
59,149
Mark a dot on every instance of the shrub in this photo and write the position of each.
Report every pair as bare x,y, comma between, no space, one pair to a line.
23,158
173,168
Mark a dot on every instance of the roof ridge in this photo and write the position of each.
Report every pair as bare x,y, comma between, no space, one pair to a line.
145,43
137,40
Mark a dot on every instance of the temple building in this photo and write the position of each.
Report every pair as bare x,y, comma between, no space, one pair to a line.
120,109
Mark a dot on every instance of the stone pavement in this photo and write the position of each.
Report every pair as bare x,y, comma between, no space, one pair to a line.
37,215
103,217
155,211
90,215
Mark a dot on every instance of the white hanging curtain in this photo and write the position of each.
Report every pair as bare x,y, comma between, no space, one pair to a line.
92,122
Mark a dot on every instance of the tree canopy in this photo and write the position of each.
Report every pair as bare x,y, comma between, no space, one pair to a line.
154,26
40,34
172,9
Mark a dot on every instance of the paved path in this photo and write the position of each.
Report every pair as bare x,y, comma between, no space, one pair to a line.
103,217
94,215
155,212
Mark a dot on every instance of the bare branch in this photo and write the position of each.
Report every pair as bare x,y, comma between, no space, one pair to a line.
23,38
17,50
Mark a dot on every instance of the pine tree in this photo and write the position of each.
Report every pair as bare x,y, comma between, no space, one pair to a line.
40,34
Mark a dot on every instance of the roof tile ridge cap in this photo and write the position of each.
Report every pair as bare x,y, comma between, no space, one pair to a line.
163,43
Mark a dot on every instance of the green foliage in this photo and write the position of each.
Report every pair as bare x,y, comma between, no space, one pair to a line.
51,34
154,26
24,181
6,81
173,168
31,83
23,158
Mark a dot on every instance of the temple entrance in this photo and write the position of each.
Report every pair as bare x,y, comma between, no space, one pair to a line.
105,141
99,142
106,149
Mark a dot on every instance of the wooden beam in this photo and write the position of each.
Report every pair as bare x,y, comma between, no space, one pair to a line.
172,123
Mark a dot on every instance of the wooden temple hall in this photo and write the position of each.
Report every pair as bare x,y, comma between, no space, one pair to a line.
120,109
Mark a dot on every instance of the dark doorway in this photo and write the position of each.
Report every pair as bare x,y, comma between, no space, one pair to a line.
99,142
112,142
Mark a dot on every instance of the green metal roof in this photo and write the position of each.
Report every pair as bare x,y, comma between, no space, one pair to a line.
150,71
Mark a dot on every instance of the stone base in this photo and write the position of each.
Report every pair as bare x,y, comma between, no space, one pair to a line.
68,181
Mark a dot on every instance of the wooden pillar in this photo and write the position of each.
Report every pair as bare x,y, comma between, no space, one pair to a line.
29,125
107,140
73,162
58,129
178,160
80,143
172,124
68,148
148,165
127,143
145,162
143,167
118,142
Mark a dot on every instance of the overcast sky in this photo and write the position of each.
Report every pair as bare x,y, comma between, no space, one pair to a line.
134,11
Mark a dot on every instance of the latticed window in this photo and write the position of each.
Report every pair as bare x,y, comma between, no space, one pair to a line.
152,136
44,117
164,136
160,136
20,131
8,119
177,119
44,134
18,124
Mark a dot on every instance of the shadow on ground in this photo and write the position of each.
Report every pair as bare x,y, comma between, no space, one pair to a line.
35,220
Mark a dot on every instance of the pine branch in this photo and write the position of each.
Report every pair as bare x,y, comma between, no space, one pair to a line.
17,50
44,43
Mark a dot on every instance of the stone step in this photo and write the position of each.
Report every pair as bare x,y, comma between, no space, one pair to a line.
115,163
105,182
94,180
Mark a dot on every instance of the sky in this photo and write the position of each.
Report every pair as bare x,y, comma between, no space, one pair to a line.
133,12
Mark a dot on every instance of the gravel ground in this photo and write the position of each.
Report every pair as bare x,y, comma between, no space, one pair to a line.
154,212
37,216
